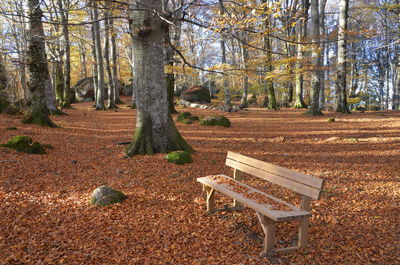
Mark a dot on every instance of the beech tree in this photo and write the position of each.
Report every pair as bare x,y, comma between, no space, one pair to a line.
155,129
39,77
99,59
341,93
315,60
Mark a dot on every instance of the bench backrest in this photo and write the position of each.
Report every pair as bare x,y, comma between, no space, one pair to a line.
309,186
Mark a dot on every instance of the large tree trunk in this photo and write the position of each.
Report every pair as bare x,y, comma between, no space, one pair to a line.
99,58
155,130
39,77
341,61
315,61
301,36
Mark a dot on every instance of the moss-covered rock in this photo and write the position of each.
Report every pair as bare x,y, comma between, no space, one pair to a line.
215,121
105,195
186,121
330,120
186,118
179,157
25,144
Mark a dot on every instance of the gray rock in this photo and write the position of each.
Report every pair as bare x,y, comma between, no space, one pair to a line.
105,195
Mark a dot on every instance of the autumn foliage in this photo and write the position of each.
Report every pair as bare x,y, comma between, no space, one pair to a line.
44,199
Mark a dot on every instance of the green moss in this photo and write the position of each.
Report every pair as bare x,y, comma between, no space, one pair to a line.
183,116
215,121
330,120
186,121
179,157
142,141
38,116
25,144
12,128
186,118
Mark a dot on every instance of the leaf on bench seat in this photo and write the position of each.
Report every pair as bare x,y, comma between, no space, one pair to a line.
254,195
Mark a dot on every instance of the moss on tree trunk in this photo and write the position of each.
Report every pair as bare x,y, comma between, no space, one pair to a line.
39,77
38,115
142,142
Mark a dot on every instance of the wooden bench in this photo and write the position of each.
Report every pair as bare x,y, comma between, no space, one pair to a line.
269,209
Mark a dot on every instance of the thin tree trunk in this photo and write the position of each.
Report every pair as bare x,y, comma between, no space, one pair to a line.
396,89
245,58
227,97
155,130
315,61
114,56
342,58
111,89
67,68
99,56
39,77
94,54
269,68
301,36
322,31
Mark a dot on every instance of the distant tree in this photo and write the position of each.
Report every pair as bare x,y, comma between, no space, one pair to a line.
3,74
341,93
64,13
227,97
315,60
301,36
99,60
111,84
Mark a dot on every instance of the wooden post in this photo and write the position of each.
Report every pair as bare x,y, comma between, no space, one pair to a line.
237,176
210,199
269,228
304,223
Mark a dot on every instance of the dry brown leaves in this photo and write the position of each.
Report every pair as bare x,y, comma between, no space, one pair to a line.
250,194
45,218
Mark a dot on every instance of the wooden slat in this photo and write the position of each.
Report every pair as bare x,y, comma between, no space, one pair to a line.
275,215
277,170
295,186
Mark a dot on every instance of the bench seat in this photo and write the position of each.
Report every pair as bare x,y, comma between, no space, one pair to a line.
272,207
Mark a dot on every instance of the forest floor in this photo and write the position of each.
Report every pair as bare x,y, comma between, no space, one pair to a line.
45,217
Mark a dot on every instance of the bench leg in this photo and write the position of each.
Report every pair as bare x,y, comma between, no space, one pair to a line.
304,223
210,199
303,232
269,228
237,176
